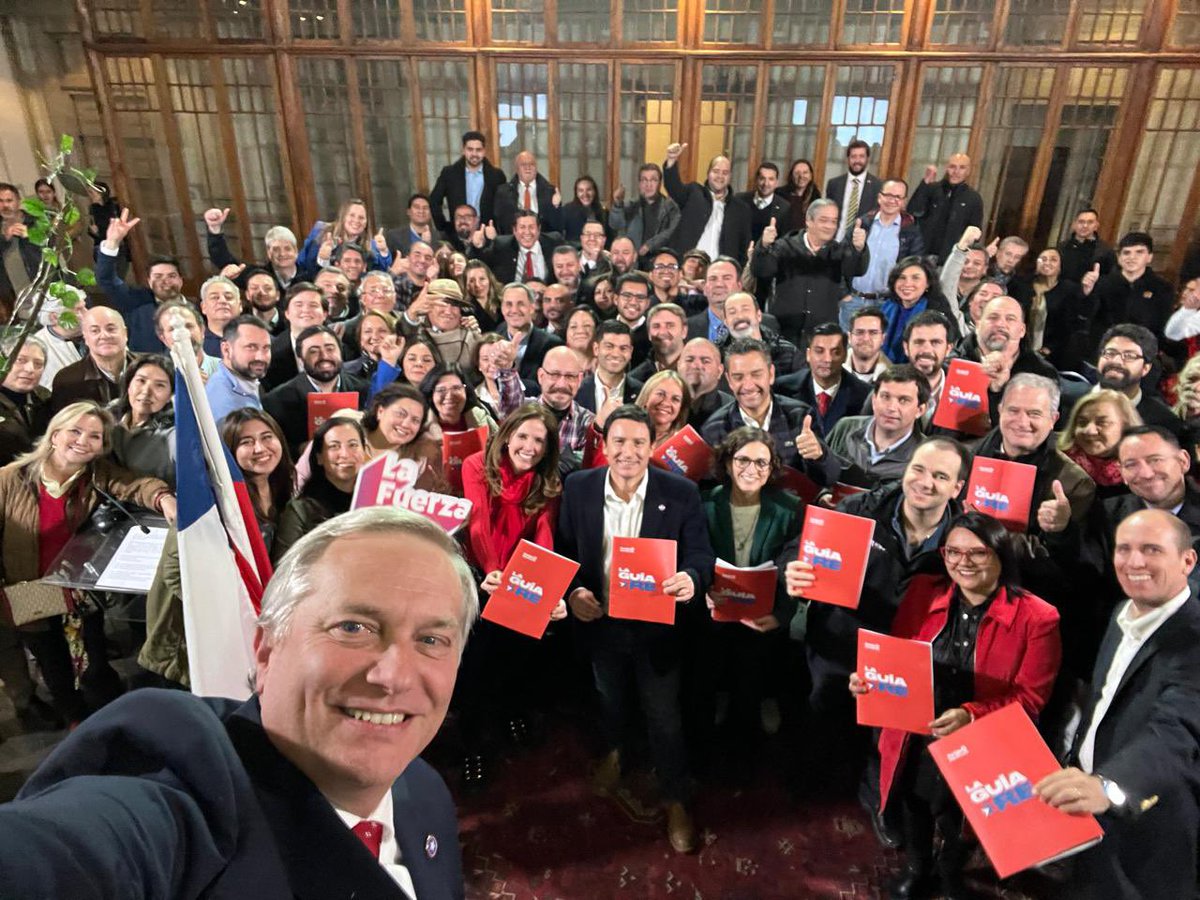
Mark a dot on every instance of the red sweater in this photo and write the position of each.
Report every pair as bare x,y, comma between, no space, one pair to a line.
53,529
498,524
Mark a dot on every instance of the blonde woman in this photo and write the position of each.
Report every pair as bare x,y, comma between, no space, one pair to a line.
352,226
1093,431
665,396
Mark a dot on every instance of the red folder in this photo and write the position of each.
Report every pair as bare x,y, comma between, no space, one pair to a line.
991,766
964,402
792,479
531,585
841,491
743,593
457,446
837,544
321,406
686,454
593,449
639,567
900,675
1003,490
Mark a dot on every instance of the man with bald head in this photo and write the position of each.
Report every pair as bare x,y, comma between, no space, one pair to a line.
559,376
712,218
701,369
528,189
1134,755
945,208
98,375
623,256
998,343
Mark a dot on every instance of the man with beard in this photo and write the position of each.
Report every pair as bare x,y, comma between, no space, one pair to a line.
866,360
281,248
556,308
262,298
303,307
98,375
744,319
565,262
998,347
609,383
559,376
649,222
945,208
469,181
667,326
701,369
623,256
878,447
245,356
824,384
1127,353
466,223
711,217
321,355
664,275
854,191
927,344
136,304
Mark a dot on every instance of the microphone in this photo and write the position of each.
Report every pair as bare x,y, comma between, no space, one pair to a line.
122,507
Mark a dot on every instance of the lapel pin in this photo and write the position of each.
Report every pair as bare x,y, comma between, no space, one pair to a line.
431,846
662,508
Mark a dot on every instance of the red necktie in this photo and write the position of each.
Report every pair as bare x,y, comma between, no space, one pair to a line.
371,834
528,198
823,401
528,274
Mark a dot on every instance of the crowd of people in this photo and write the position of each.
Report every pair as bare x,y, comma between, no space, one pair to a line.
805,336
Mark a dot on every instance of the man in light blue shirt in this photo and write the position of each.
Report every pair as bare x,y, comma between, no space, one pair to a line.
891,236
245,356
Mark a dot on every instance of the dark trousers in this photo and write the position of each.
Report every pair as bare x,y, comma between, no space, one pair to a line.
99,684
928,807
498,678
620,654
835,744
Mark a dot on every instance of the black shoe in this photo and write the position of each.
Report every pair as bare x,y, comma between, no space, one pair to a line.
39,716
883,833
474,773
912,884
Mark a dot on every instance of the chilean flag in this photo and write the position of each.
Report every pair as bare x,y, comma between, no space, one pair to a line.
223,563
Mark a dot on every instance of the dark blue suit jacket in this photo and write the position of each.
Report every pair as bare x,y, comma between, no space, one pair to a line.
135,304
195,801
848,401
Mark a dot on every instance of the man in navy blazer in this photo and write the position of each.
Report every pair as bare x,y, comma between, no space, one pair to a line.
313,788
825,374
629,499
1136,758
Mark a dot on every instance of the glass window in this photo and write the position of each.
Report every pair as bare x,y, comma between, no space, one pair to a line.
733,21
314,20
1110,22
650,20
523,111
962,22
862,96
446,92
800,23
118,18
1185,27
948,98
583,125
375,20
646,111
584,21
175,19
444,21
387,127
237,20
1036,22
872,22
521,21
322,84
1168,158
1016,118
727,119
794,95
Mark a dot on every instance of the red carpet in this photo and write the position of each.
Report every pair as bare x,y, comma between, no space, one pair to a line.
538,832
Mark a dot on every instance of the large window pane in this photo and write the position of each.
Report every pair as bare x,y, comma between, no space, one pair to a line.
1089,115
375,20
1185,29
445,91
794,95
583,125
118,18
1168,158
522,21
732,21
322,84
584,21
1015,122
314,20
947,112
872,22
1039,22
646,112
176,19
1110,22
650,20
523,111
860,110
727,119
962,22
237,20
801,23
387,126
444,21
250,86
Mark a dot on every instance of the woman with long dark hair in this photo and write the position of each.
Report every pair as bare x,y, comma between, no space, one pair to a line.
144,439
913,287
583,207
801,189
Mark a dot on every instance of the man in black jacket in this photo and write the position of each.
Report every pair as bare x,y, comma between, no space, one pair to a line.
1127,354
19,256
831,391
1082,248
945,208
744,319
766,205
1132,293
711,217
524,255
527,190
469,181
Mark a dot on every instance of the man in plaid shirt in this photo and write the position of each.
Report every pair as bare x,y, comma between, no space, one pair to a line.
559,376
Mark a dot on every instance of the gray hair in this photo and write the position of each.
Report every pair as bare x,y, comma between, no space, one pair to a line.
220,279
1038,382
292,582
816,206
1014,241
378,275
517,285
280,233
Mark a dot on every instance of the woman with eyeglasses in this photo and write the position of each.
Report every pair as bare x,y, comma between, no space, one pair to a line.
750,521
1093,432
448,391
993,644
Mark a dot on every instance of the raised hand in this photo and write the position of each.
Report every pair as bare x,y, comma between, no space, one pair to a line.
991,248
1055,514
1090,278
556,198
858,237
969,236
232,270
769,233
478,238
391,348
118,229
399,265
619,195
674,151
215,218
505,354
607,408
327,247
807,443
381,243
470,323
15,230
930,174
490,231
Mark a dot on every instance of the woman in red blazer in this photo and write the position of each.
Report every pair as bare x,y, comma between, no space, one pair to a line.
514,489
993,644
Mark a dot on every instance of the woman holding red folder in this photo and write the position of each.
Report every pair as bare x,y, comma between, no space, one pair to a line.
514,488
993,644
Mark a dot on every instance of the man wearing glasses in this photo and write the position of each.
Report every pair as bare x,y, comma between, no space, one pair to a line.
632,300
559,376
892,234
1127,354
664,276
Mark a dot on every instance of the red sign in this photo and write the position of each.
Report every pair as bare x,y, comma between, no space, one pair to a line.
1003,490
531,585
964,402
639,567
741,593
685,453
457,446
899,675
795,481
991,766
837,544
321,406
389,480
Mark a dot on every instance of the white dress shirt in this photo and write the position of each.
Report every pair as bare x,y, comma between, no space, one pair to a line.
389,849
710,238
622,518
1135,631
603,392
533,204
539,261
750,420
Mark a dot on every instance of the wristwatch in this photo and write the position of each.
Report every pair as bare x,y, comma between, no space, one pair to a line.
1113,792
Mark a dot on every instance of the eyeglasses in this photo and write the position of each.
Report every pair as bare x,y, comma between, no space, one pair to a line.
448,391
630,295
1127,355
744,461
976,555
665,267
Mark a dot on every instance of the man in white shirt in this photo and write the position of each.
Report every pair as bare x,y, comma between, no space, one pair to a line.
1136,749
712,219
609,384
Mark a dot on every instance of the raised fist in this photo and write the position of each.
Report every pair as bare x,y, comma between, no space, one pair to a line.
969,236
215,219
619,195
674,151
930,174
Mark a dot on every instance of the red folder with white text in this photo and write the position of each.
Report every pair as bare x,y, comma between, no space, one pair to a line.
322,405
639,567
837,544
899,675
1003,490
531,585
685,453
743,593
963,405
457,446
991,767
